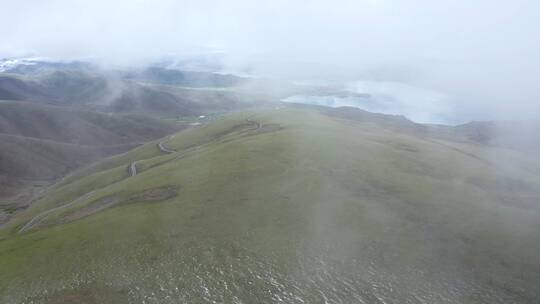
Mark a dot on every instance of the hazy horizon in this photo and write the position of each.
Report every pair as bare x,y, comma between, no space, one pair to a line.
478,61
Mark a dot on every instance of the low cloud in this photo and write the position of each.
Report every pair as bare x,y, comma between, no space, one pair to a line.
482,56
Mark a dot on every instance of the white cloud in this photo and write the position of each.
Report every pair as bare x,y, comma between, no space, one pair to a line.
483,55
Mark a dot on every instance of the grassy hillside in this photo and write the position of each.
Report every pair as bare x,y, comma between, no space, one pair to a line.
32,158
185,78
19,88
78,126
515,135
75,87
28,165
289,205
171,101
41,143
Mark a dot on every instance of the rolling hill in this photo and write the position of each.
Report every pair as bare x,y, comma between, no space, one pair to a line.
32,158
185,78
519,135
28,165
78,126
515,135
19,88
39,144
105,111
290,205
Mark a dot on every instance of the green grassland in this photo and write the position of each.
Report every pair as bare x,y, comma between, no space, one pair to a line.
287,205
28,165
40,144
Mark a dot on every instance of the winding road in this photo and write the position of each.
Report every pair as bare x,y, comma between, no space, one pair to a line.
43,215
254,122
132,169
162,148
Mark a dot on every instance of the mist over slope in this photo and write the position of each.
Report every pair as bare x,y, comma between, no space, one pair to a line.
515,135
294,205
151,91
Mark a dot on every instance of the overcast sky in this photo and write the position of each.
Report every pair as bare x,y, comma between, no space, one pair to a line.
482,56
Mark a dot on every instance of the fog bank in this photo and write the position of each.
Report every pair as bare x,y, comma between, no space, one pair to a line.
481,57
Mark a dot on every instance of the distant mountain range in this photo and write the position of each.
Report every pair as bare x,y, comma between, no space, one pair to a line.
155,91
94,112
37,64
